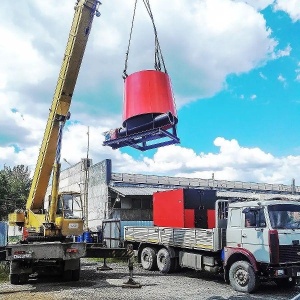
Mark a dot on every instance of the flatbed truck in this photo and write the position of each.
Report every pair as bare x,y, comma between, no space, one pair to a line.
248,242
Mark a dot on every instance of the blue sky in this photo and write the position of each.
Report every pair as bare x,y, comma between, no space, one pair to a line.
235,71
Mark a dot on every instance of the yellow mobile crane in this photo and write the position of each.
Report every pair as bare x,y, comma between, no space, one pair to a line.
45,244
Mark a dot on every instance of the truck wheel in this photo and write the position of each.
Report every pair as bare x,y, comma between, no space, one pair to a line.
285,283
148,259
164,261
175,264
14,278
23,278
75,275
67,275
242,277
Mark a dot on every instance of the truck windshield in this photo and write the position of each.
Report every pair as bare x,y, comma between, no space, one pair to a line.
284,216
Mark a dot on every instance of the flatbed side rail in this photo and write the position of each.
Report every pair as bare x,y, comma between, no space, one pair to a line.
189,238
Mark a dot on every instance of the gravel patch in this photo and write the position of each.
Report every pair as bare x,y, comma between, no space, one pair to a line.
93,284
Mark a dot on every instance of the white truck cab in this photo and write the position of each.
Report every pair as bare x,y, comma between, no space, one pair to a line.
266,237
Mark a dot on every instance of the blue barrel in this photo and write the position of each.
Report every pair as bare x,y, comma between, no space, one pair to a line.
79,238
87,237
3,234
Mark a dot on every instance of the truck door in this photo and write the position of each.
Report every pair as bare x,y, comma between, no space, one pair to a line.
233,234
255,233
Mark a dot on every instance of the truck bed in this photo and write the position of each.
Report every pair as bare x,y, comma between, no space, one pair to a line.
189,238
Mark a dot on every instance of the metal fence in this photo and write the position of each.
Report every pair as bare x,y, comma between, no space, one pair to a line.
113,230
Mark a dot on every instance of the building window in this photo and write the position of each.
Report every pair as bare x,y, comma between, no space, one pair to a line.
147,203
136,203
116,203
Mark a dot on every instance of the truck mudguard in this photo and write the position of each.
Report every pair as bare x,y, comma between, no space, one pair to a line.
230,251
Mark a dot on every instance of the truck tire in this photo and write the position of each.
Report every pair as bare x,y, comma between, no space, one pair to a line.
67,275
164,261
175,264
148,259
285,283
70,270
75,275
23,278
14,278
242,277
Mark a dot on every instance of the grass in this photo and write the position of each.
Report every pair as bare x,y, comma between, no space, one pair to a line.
4,271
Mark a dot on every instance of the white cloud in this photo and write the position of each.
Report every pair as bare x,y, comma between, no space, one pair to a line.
223,38
297,71
257,4
253,97
291,7
21,63
282,79
202,42
231,162
281,53
263,76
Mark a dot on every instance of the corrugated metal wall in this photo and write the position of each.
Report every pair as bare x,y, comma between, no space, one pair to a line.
3,234
73,179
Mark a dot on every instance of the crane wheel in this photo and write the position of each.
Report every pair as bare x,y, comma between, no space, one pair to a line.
14,279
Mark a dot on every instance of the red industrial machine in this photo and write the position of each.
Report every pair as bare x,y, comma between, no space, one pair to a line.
186,208
148,96
149,113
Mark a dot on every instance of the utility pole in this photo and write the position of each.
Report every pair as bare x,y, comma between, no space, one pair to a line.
86,166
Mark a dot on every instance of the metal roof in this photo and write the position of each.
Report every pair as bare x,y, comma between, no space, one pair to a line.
135,191
222,185
148,191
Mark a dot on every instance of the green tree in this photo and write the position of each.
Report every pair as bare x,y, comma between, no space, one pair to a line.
14,189
3,194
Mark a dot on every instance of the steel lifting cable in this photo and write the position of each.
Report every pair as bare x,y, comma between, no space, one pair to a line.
127,53
158,57
157,53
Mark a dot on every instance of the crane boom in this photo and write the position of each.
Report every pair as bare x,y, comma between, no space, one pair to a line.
85,11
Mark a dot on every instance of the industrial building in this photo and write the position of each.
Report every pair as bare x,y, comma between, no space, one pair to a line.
128,197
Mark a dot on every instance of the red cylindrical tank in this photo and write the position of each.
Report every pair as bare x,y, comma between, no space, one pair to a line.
147,92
